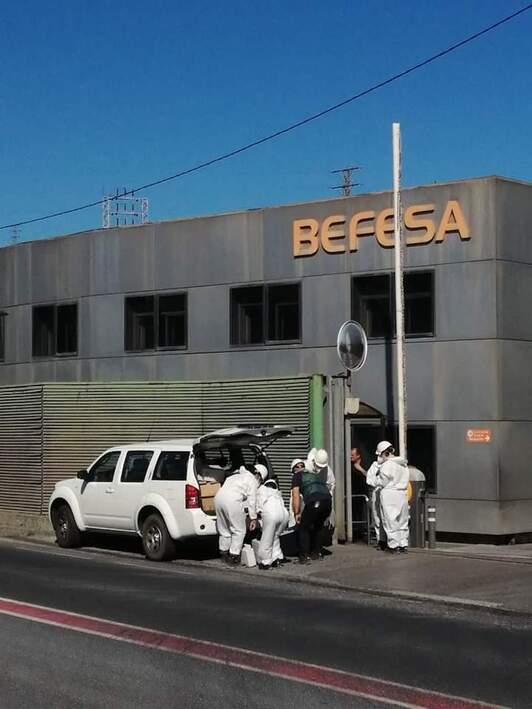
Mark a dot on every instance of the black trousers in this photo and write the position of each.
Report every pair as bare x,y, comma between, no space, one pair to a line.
313,518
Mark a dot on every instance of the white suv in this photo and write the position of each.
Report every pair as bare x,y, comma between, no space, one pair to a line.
162,491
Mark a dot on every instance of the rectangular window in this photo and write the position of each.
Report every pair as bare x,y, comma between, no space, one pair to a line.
373,304
172,465
172,320
135,466
154,321
419,304
283,312
55,330
247,315
103,470
262,314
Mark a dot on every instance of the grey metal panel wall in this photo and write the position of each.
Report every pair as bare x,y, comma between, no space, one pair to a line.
82,420
21,448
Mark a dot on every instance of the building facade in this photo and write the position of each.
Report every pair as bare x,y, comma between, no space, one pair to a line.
262,293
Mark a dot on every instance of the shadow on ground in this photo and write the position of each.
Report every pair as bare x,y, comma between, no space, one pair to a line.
196,549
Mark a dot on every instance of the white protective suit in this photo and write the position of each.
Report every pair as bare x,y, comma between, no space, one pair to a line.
274,519
393,483
238,492
373,482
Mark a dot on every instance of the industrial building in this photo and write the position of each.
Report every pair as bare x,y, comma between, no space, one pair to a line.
249,304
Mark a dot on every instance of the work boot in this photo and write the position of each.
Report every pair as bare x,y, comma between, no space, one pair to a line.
403,550
316,556
234,559
265,567
304,559
392,550
381,546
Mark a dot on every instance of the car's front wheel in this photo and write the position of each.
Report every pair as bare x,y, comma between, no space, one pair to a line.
157,543
65,527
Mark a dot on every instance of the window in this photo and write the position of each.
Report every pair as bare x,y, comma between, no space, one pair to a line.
2,336
172,465
104,469
373,304
156,321
421,445
55,330
270,313
135,466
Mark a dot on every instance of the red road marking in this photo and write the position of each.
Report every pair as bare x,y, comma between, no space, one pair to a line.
359,685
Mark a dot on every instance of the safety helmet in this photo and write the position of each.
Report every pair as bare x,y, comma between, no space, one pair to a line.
296,461
321,459
261,470
312,454
382,447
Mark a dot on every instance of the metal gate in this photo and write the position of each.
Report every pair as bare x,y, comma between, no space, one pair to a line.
48,432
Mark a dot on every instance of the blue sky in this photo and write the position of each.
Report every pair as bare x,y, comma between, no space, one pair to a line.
98,95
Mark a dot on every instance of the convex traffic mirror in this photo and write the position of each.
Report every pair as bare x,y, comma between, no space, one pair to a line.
352,345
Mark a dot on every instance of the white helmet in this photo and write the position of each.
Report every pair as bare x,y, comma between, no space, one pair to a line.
321,459
261,470
296,461
382,447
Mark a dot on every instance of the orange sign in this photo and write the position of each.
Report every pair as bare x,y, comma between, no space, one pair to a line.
478,435
338,234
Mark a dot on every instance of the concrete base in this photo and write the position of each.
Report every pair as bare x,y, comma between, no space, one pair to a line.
17,524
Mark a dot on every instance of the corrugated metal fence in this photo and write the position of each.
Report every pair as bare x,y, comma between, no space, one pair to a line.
49,431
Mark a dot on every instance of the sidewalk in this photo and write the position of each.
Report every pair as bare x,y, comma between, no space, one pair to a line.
483,576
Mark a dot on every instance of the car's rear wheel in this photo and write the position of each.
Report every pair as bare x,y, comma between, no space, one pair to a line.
157,543
65,527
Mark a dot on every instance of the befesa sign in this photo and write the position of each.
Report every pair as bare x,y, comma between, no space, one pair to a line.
336,234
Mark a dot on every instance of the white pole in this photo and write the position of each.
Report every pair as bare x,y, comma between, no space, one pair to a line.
399,290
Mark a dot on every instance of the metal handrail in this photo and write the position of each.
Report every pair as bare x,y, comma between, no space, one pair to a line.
366,521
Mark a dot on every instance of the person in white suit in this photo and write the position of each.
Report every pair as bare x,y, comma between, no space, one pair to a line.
238,492
274,520
392,484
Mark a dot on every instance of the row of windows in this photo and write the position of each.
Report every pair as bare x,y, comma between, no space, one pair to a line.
259,314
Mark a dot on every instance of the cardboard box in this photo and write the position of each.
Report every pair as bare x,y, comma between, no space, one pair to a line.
208,490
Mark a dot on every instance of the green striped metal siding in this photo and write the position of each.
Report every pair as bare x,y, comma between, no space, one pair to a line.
82,420
21,470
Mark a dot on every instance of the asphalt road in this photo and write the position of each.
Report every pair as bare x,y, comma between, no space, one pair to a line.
472,654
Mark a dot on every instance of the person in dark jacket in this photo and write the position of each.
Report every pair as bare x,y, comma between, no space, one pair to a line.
310,485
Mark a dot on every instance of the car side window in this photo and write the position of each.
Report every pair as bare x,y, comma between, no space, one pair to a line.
172,465
104,469
135,466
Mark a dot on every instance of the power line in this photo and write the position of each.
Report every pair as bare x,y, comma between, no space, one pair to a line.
288,129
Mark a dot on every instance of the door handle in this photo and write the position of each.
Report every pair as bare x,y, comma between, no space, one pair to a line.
109,490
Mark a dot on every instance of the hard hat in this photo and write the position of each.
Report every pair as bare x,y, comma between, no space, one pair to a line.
321,459
312,454
296,461
262,470
382,447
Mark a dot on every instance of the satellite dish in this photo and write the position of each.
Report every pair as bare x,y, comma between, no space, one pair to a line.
352,345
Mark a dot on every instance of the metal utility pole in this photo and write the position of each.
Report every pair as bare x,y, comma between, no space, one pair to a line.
399,289
346,180
124,208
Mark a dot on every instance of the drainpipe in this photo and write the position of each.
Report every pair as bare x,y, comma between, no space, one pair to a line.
316,411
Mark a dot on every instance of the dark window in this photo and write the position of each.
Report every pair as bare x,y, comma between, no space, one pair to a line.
283,312
373,304
2,336
55,329
419,304
172,465
135,466
247,315
270,313
140,323
156,321
67,329
172,320
421,445
104,469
